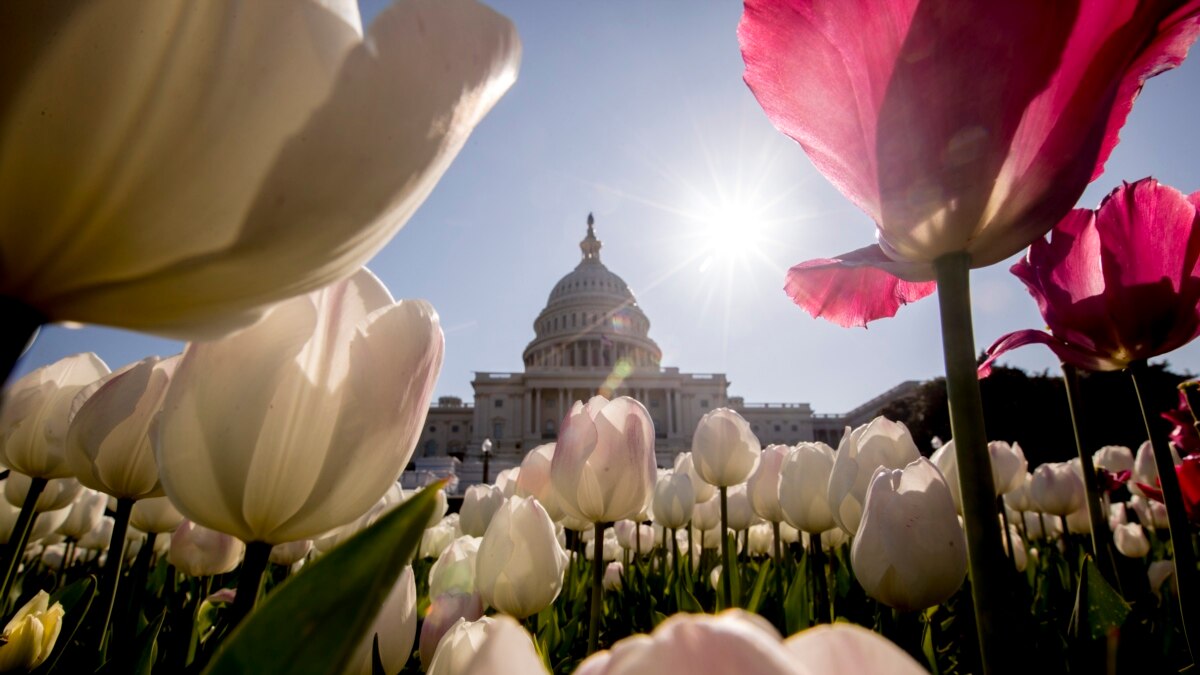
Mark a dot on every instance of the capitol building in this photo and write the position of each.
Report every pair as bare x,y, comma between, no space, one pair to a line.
593,338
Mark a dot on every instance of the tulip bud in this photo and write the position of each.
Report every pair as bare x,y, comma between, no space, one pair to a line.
848,648
1056,489
1008,466
435,540
157,514
1113,458
738,512
395,626
98,538
1158,573
910,552
761,540
724,449
1018,498
684,464
341,382
36,412
58,493
804,487
30,635
444,611
534,479
489,645
604,464
879,443
633,536
454,570
479,504
108,443
733,641
1079,521
506,481
200,552
612,576
674,499
764,484
84,514
290,553
707,515
610,549
1131,540
1145,470
520,566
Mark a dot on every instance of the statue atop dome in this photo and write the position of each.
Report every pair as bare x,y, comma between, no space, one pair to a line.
590,244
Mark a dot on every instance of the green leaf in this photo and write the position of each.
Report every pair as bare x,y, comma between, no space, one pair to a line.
797,604
140,659
376,660
760,584
687,601
313,622
76,599
1098,605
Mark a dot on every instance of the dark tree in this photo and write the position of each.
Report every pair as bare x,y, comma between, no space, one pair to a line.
1032,410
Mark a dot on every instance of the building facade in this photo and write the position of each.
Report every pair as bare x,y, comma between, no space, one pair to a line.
593,338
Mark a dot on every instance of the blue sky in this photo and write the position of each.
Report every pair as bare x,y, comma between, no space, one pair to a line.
636,111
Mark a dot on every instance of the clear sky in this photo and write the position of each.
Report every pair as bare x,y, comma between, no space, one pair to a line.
636,111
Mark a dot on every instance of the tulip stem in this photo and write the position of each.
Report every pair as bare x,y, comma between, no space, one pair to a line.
727,563
20,537
258,554
597,580
112,570
1180,531
21,324
1101,537
984,551
132,605
816,570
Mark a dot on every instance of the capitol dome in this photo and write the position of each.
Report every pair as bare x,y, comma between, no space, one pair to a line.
591,320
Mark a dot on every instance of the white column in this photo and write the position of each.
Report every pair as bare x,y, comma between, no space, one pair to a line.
527,412
669,396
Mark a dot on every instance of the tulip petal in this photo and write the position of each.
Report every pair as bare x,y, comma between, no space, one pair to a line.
1064,351
847,648
853,288
201,435
213,195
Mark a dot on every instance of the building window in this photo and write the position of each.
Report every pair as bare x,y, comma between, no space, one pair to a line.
703,403
777,428
754,427
499,403
653,403
432,428
795,427
454,429
498,429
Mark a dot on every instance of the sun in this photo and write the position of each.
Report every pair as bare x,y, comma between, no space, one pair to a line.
731,231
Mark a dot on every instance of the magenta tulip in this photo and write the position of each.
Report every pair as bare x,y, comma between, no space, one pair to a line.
1116,285
957,126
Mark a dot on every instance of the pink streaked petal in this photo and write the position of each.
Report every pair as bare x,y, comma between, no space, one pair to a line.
856,287
1063,276
1064,351
1166,50
821,74
1150,263
947,122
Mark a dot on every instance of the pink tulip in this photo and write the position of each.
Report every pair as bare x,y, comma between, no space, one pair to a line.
1116,285
957,126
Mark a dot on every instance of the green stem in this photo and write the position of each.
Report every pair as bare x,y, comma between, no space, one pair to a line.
1101,536
128,619
258,553
816,570
21,324
15,549
984,552
112,570
597,607
726,559
1180,530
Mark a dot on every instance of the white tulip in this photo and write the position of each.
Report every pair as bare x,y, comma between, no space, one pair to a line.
879,443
